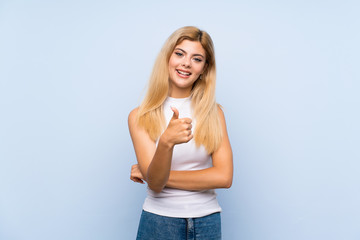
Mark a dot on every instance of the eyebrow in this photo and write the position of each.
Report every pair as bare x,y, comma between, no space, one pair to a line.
196,54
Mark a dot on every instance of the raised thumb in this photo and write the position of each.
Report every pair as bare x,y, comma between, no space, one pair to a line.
176,113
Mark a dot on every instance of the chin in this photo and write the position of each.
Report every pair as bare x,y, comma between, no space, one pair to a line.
183,85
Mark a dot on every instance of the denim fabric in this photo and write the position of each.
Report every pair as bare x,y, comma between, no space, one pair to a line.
156,227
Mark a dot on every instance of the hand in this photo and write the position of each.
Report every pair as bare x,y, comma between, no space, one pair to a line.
179,130
136,175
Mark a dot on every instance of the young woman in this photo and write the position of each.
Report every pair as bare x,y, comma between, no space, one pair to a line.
181,142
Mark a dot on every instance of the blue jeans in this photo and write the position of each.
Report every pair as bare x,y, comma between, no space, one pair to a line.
156,227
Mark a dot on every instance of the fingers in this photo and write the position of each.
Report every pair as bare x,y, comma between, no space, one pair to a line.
136,175
187,120
186,136
134,167
187,127
184,131
176,113
190,137
138,180
179,129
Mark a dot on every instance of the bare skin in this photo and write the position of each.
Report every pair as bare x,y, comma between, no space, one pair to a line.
154,162
218,176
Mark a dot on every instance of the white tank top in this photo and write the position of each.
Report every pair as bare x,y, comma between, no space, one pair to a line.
181,203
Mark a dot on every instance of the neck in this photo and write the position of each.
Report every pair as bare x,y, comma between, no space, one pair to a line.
183,93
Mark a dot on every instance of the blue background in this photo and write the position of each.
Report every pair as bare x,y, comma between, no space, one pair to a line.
288,78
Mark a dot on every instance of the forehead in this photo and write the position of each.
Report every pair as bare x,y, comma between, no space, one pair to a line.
191,47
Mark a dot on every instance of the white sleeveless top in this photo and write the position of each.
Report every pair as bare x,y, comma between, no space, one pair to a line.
181,203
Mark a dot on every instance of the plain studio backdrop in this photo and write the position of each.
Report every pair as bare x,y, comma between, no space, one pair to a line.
288,79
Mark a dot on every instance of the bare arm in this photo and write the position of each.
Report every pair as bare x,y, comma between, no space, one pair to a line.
218,176
155,162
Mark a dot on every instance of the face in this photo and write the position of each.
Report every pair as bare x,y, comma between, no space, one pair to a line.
186,63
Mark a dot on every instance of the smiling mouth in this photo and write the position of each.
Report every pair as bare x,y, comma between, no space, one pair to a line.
183,73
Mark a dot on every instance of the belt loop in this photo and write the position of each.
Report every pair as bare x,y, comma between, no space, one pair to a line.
190,229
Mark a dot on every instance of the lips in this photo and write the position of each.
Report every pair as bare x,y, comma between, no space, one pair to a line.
183,73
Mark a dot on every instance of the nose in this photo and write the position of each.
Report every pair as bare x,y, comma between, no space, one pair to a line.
186,62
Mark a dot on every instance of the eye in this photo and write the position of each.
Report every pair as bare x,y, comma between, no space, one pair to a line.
179,54
197,59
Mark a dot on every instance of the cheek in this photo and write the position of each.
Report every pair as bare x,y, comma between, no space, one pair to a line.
200,70
172,63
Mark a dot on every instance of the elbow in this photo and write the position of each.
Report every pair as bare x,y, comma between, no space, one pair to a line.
223,180
227,182
155,185
156,189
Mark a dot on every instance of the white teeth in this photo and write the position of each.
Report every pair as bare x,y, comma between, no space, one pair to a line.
183,73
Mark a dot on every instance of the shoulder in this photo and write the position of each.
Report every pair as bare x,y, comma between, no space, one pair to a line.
220,111
132,116
221,116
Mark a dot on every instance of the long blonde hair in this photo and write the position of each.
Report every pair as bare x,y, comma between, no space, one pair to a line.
150,113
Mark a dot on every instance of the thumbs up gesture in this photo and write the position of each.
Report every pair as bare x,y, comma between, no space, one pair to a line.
179,129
